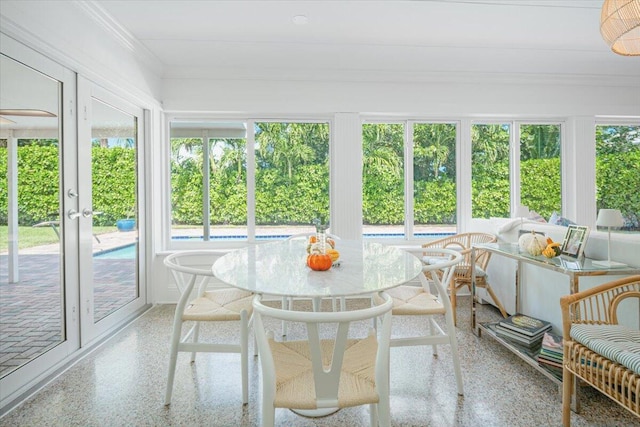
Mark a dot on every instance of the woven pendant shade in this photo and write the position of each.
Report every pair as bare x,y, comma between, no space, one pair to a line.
620,26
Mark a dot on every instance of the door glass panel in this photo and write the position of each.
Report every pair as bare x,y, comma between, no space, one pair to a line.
115,207
31,277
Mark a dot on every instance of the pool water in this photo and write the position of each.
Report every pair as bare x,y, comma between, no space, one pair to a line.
121,252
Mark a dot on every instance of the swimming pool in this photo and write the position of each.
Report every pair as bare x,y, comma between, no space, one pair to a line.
129,251
121,252
284,236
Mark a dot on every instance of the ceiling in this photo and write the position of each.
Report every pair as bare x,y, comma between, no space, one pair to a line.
368,40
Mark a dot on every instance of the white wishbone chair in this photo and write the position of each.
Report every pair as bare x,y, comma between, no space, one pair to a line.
327,369
417,300
192,271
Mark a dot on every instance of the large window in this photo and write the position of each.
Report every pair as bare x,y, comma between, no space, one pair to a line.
434,177
618,171
383,178
540,171
495,189
409,158
490,184
292,177
218,193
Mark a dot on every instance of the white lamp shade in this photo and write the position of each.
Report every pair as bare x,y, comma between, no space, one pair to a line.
610,218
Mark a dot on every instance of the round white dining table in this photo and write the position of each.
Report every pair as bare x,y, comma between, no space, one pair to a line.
280,268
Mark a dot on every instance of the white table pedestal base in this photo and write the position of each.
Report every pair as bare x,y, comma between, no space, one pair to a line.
315,413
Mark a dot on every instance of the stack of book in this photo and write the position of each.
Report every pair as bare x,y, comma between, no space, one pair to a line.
550,356
523,330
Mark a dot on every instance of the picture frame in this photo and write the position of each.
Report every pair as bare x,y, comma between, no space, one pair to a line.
574,241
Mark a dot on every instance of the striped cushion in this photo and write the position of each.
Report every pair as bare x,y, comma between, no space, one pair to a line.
615,342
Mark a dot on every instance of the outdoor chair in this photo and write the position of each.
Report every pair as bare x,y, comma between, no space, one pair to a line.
462,274
192,271
327,368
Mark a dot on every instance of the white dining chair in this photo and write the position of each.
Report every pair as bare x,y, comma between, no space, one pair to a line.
326,368
416,299
192,271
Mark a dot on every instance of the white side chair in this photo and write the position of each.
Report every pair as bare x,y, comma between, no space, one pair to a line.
192,271
410,300
328,369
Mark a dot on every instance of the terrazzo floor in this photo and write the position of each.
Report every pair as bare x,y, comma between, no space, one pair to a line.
122,383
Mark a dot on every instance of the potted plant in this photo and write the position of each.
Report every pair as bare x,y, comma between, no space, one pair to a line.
128,223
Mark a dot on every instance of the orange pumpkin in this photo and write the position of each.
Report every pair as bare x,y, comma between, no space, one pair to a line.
319,262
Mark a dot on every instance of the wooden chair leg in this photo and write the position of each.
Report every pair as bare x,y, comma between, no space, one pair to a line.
567,382
495,299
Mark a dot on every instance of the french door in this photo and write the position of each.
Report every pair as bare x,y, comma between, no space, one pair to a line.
71,154
109,158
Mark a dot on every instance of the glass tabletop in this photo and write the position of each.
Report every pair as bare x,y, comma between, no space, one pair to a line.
280,268
560,263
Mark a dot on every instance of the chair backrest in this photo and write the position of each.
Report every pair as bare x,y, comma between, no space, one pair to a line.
326,373
192,270
441,272
462,242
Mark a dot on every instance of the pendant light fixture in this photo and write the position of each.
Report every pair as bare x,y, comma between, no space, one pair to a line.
620,26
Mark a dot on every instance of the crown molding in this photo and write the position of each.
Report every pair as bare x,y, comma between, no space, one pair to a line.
120,34
397,76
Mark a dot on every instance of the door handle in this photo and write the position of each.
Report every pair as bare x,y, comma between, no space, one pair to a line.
86,212
73,214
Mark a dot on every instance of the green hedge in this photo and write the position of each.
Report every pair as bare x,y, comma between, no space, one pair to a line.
305,198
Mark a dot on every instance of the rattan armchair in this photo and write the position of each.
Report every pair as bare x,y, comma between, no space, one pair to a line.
462,276
595,308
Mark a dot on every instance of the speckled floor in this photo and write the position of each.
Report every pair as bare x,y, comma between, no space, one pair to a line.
122,383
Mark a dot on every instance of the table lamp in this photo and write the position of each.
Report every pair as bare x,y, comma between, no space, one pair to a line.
522,212
609,218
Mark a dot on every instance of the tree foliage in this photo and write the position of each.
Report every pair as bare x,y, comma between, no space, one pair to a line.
292,175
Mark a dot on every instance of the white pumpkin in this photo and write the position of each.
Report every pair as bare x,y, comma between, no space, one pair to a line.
532,243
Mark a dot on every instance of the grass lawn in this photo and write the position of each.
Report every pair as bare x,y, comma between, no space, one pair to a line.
36,236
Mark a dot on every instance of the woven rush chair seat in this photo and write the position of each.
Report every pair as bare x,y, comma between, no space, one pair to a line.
219,305
294,369
327,368
193,275
462,278
414,301
598,350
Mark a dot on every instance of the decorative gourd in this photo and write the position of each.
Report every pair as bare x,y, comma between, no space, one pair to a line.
333,254
552,249
319,262
532,243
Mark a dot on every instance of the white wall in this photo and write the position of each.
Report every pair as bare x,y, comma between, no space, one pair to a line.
437,99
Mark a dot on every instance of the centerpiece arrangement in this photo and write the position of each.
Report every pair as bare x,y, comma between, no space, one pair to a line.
321,249
536,244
